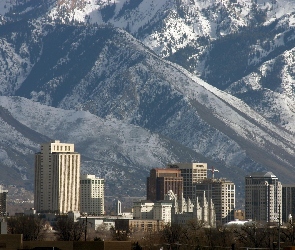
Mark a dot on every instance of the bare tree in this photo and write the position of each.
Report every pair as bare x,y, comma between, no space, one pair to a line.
101,233
31,227
288,233
254,235
119,235
68,230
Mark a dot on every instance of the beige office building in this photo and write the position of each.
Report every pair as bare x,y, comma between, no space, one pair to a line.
92,195
222,194
191,173
57,178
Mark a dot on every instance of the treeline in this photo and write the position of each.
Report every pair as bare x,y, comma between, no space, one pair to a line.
192,235
62,229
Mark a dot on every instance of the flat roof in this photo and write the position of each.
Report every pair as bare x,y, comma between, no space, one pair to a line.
262,174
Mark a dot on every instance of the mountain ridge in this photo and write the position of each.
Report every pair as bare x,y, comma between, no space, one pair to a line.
161,77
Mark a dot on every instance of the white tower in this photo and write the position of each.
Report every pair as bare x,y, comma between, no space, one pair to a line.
92,195
57,178
118,207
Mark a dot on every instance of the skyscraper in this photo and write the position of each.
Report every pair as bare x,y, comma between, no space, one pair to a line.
263,197
92,195
161,180
3,201
288,202
57,178
191,173
222,194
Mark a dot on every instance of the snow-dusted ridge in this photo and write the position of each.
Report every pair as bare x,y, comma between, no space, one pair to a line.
106,145
114,94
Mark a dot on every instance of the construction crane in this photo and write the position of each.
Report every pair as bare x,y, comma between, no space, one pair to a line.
212,170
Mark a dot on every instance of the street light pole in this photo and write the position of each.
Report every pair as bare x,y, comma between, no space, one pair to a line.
279,239
85,233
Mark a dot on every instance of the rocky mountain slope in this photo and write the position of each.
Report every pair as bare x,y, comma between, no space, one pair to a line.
120,152
181,80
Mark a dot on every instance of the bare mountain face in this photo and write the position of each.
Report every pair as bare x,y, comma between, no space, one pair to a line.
206,81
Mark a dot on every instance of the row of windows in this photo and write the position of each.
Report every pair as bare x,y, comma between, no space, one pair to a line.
60,148
91,181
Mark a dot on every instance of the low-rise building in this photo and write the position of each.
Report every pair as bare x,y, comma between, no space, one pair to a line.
132,226
147,210
143,210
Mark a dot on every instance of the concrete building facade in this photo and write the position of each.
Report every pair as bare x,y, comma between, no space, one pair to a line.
161,180
133,226
162,211
222,194
91,195
57,178
147,210
191,173
263,197
143,210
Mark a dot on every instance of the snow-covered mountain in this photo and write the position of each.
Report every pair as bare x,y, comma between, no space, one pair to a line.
172,80
121,153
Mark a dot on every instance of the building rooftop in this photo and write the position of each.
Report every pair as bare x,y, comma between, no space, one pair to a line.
262,174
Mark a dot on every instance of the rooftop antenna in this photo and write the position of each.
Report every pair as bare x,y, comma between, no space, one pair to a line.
212,170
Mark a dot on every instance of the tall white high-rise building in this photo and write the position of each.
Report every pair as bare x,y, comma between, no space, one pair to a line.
57,178
191,173
92,195
263,197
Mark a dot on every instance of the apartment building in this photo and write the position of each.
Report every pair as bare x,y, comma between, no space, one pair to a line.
92,195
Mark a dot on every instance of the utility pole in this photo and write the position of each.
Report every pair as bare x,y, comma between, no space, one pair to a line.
85,233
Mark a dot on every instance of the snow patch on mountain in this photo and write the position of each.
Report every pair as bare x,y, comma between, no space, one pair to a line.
281,95
218,101
174,24
138,145
5,6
